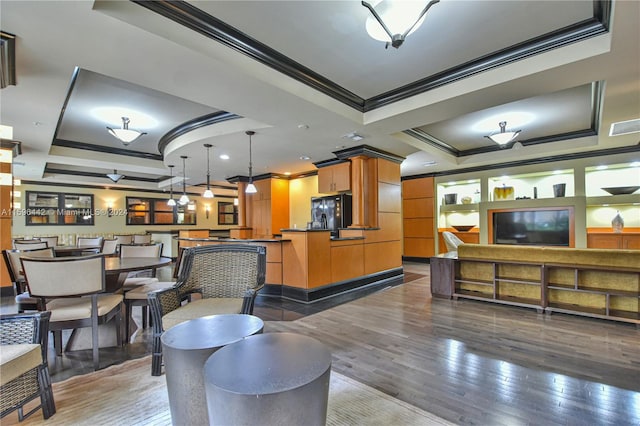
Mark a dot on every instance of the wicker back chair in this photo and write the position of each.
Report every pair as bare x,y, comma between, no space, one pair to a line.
228,278
23,358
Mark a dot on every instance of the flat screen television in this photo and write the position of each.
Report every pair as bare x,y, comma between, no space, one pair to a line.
544,227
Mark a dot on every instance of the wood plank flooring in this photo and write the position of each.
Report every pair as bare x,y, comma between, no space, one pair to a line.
477,363
472,363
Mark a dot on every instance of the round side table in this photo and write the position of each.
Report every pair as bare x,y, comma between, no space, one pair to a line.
269,379
186,347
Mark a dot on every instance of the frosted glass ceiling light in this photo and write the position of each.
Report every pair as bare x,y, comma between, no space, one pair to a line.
171,201
251,188
184,199
394,21
503,137
125,134
208,193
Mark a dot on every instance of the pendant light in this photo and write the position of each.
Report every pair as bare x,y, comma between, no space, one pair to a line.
208,193
171,201
251,188
503,137
184,199
125,134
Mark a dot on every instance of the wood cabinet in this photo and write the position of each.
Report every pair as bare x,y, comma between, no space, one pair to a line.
335,178
613,241
269,207
418,207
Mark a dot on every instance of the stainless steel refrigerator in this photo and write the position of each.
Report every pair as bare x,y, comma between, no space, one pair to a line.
332,212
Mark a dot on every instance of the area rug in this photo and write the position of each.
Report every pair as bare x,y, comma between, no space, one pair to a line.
127,394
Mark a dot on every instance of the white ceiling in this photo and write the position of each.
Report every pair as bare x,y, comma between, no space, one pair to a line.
130,57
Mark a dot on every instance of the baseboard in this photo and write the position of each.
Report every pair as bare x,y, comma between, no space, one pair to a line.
383,279
415,259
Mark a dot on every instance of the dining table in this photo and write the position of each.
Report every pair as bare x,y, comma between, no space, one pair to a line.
116,269
70,250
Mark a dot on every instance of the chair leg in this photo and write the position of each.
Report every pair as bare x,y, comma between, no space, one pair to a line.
46,397
94,331
156,359
144,316
119,339
127,319
57,342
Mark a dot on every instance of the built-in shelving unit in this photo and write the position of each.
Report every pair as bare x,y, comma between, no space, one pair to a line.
594,208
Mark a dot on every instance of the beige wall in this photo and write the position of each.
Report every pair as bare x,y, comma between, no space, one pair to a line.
300,193
117,223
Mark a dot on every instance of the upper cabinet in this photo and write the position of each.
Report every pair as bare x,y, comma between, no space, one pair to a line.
334,178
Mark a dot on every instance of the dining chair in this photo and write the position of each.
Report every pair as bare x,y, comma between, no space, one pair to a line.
23,240
89,241
227,277
30,245
24,300
140,282
141,277
142,239
23,361
51,241
72,289
109,247
124,239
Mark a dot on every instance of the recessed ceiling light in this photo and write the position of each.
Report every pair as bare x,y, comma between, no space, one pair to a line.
635,164
305,158
557,172
451,183
353,136
601,168
224,157
287,173
303,126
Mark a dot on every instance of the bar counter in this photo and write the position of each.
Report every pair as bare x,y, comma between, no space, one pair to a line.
308,264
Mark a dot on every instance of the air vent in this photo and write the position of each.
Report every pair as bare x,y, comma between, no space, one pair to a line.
625,127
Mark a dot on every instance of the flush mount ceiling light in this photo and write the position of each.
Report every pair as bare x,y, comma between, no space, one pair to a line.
503,137
115,176
398,19
171,201
125,135
184,199
251,188
208,193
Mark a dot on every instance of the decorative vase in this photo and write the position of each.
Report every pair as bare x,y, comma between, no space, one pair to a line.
617,223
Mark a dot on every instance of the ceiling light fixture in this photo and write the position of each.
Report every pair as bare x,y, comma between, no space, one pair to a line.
115,176
399,16
171,201
503,137
251,188
184,199
125,134
208,193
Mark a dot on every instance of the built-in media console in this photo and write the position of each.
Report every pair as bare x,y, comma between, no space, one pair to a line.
545,226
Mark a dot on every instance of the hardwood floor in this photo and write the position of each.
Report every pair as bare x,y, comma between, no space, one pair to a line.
469,362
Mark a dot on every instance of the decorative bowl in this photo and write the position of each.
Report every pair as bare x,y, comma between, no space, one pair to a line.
463,228
619,190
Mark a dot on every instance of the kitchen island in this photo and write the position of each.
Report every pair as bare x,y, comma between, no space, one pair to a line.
307,264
